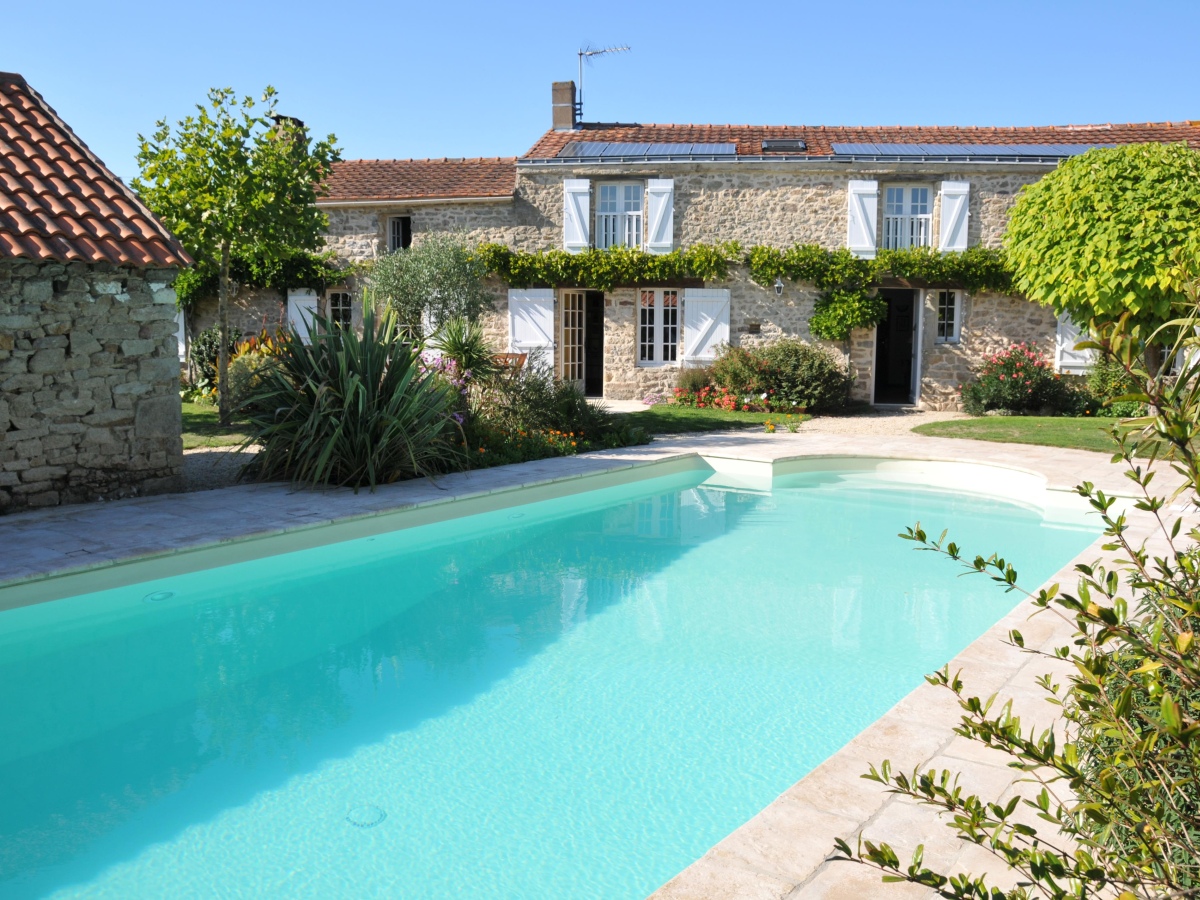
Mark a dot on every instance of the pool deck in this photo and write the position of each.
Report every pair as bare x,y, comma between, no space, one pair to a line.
781,852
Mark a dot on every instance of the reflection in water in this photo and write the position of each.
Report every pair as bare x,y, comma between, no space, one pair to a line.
255,673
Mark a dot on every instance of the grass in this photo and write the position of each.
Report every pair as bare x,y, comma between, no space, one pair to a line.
1079,433
664,418
201,428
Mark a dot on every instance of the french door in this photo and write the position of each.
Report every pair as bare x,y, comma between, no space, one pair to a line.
573,303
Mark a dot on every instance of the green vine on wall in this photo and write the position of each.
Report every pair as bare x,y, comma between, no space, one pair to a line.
300,270
847,283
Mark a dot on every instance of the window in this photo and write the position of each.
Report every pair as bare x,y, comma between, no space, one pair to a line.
619,215
949,321
907,219
399,233
658,326
339,308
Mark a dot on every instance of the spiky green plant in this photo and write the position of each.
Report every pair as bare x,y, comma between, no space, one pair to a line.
463,341
352,411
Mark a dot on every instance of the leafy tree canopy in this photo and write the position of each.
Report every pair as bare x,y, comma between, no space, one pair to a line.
436,279
236,180
1110,232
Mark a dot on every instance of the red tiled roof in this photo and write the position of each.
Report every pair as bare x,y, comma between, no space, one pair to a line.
59,201
820,139
357,180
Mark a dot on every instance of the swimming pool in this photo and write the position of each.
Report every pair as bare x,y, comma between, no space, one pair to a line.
573,697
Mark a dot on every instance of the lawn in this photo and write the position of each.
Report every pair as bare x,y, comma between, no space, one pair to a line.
201,428
663,418
1080,433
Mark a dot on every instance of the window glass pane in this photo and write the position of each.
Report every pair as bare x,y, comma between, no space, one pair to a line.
895,201
339,309
670,326
946,316
633,198
919,199
608,198
646,327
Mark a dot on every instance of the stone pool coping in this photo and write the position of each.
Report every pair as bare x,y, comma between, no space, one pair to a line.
781,852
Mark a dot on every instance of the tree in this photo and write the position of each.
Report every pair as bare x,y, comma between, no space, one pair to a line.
436,279
1110,232
234,181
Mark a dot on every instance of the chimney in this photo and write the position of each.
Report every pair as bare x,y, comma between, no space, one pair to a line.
562,95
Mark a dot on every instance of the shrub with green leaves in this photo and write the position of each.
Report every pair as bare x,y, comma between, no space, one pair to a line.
205,349
436,279
1106,381
1020,380
692,379
352,411
1108,805
463,341
792,373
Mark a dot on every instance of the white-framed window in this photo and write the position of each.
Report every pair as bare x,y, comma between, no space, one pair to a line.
399,233
339,308
949,317
907,216
658,326
619,214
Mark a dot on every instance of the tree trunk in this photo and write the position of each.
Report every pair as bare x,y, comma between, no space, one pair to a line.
1154,359
223,410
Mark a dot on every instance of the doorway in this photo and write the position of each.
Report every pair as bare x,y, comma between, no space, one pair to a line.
894,358
593,344
583,340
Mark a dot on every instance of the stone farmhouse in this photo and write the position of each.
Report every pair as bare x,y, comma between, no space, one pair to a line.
663,187
89,376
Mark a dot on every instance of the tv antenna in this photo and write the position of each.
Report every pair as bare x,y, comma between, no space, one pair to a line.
587,53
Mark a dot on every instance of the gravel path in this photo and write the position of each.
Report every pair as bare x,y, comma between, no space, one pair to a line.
206,468
878,421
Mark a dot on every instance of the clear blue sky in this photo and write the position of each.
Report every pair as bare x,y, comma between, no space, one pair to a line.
403,79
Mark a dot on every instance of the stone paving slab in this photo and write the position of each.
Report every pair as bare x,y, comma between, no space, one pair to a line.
781,852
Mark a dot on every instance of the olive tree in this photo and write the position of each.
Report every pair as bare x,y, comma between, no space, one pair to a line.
437,279
1111,232
233,181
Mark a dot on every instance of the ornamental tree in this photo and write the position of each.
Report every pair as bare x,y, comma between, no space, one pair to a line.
1110,232
232,181
431,282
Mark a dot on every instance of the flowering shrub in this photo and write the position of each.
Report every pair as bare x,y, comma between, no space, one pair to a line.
784,375
710,397
1021,379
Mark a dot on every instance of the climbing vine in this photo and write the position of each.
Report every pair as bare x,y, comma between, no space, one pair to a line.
847,283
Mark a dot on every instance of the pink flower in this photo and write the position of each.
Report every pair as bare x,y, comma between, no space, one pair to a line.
1001,377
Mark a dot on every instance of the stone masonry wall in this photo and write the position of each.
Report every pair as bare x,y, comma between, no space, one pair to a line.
89,383
759,203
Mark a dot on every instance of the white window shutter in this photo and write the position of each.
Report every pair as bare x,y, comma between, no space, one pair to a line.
956,197
660,215
705,324
863,200
1066,357
301,307
531,324
576,214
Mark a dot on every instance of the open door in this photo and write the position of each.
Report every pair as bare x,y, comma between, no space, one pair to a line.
593,344
895,344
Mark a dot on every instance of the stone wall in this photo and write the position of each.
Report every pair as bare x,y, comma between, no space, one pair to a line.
253,310
755,203
89,383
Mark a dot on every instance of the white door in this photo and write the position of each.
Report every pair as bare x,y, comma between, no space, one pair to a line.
301,307
572,336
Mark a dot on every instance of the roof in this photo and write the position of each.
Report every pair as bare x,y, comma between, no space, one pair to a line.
58,201
374,180
819,140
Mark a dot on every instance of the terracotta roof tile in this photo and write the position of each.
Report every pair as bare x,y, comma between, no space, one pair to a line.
359,180
58,201
820,139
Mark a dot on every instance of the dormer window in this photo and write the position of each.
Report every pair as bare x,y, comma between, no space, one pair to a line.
619,214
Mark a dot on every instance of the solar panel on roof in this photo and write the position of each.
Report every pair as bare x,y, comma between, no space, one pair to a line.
605,149
968,150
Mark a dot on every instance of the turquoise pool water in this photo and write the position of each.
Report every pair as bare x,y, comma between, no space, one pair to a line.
574,698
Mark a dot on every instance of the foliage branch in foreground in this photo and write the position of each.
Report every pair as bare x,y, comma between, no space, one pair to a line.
1111,804
846,282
